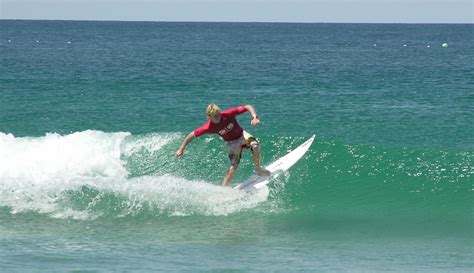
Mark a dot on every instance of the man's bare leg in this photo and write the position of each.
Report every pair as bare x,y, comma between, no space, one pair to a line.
230,174
256,159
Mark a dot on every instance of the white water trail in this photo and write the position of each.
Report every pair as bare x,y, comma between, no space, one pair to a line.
39,174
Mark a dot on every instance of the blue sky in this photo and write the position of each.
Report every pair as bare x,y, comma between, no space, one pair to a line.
356,11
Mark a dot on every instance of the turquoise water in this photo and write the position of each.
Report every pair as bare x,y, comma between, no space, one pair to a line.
91,114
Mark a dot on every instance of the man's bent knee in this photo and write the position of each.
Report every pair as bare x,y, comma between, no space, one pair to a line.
254,145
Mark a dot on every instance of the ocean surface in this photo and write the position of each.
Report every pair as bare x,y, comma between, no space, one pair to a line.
92,113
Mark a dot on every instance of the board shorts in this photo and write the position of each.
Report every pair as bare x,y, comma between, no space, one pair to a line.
234,147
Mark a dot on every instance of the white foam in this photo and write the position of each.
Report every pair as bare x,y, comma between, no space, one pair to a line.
40,159
36,171
39,173
176,196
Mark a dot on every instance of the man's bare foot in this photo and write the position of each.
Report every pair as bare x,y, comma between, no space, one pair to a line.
263,172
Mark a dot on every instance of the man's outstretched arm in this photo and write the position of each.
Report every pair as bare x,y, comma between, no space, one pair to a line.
186,141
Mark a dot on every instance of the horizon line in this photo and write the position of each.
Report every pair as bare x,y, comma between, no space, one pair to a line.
243,22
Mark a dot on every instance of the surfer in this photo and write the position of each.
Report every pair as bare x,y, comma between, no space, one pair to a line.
225,125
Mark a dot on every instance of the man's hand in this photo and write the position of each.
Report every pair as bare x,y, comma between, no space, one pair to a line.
186,141
255,122
179,152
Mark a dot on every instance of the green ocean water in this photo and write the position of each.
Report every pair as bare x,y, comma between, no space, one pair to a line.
91,114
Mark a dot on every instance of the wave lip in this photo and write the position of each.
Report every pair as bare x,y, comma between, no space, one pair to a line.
40,159
36,172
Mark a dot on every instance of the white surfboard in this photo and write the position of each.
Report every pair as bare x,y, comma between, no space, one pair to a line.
276,168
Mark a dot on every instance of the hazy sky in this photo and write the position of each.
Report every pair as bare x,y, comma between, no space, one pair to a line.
358,11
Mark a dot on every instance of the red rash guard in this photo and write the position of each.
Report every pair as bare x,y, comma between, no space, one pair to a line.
227,128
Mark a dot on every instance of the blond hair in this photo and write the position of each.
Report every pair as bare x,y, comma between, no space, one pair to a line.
212,109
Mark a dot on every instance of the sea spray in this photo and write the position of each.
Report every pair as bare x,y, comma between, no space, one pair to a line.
85,175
